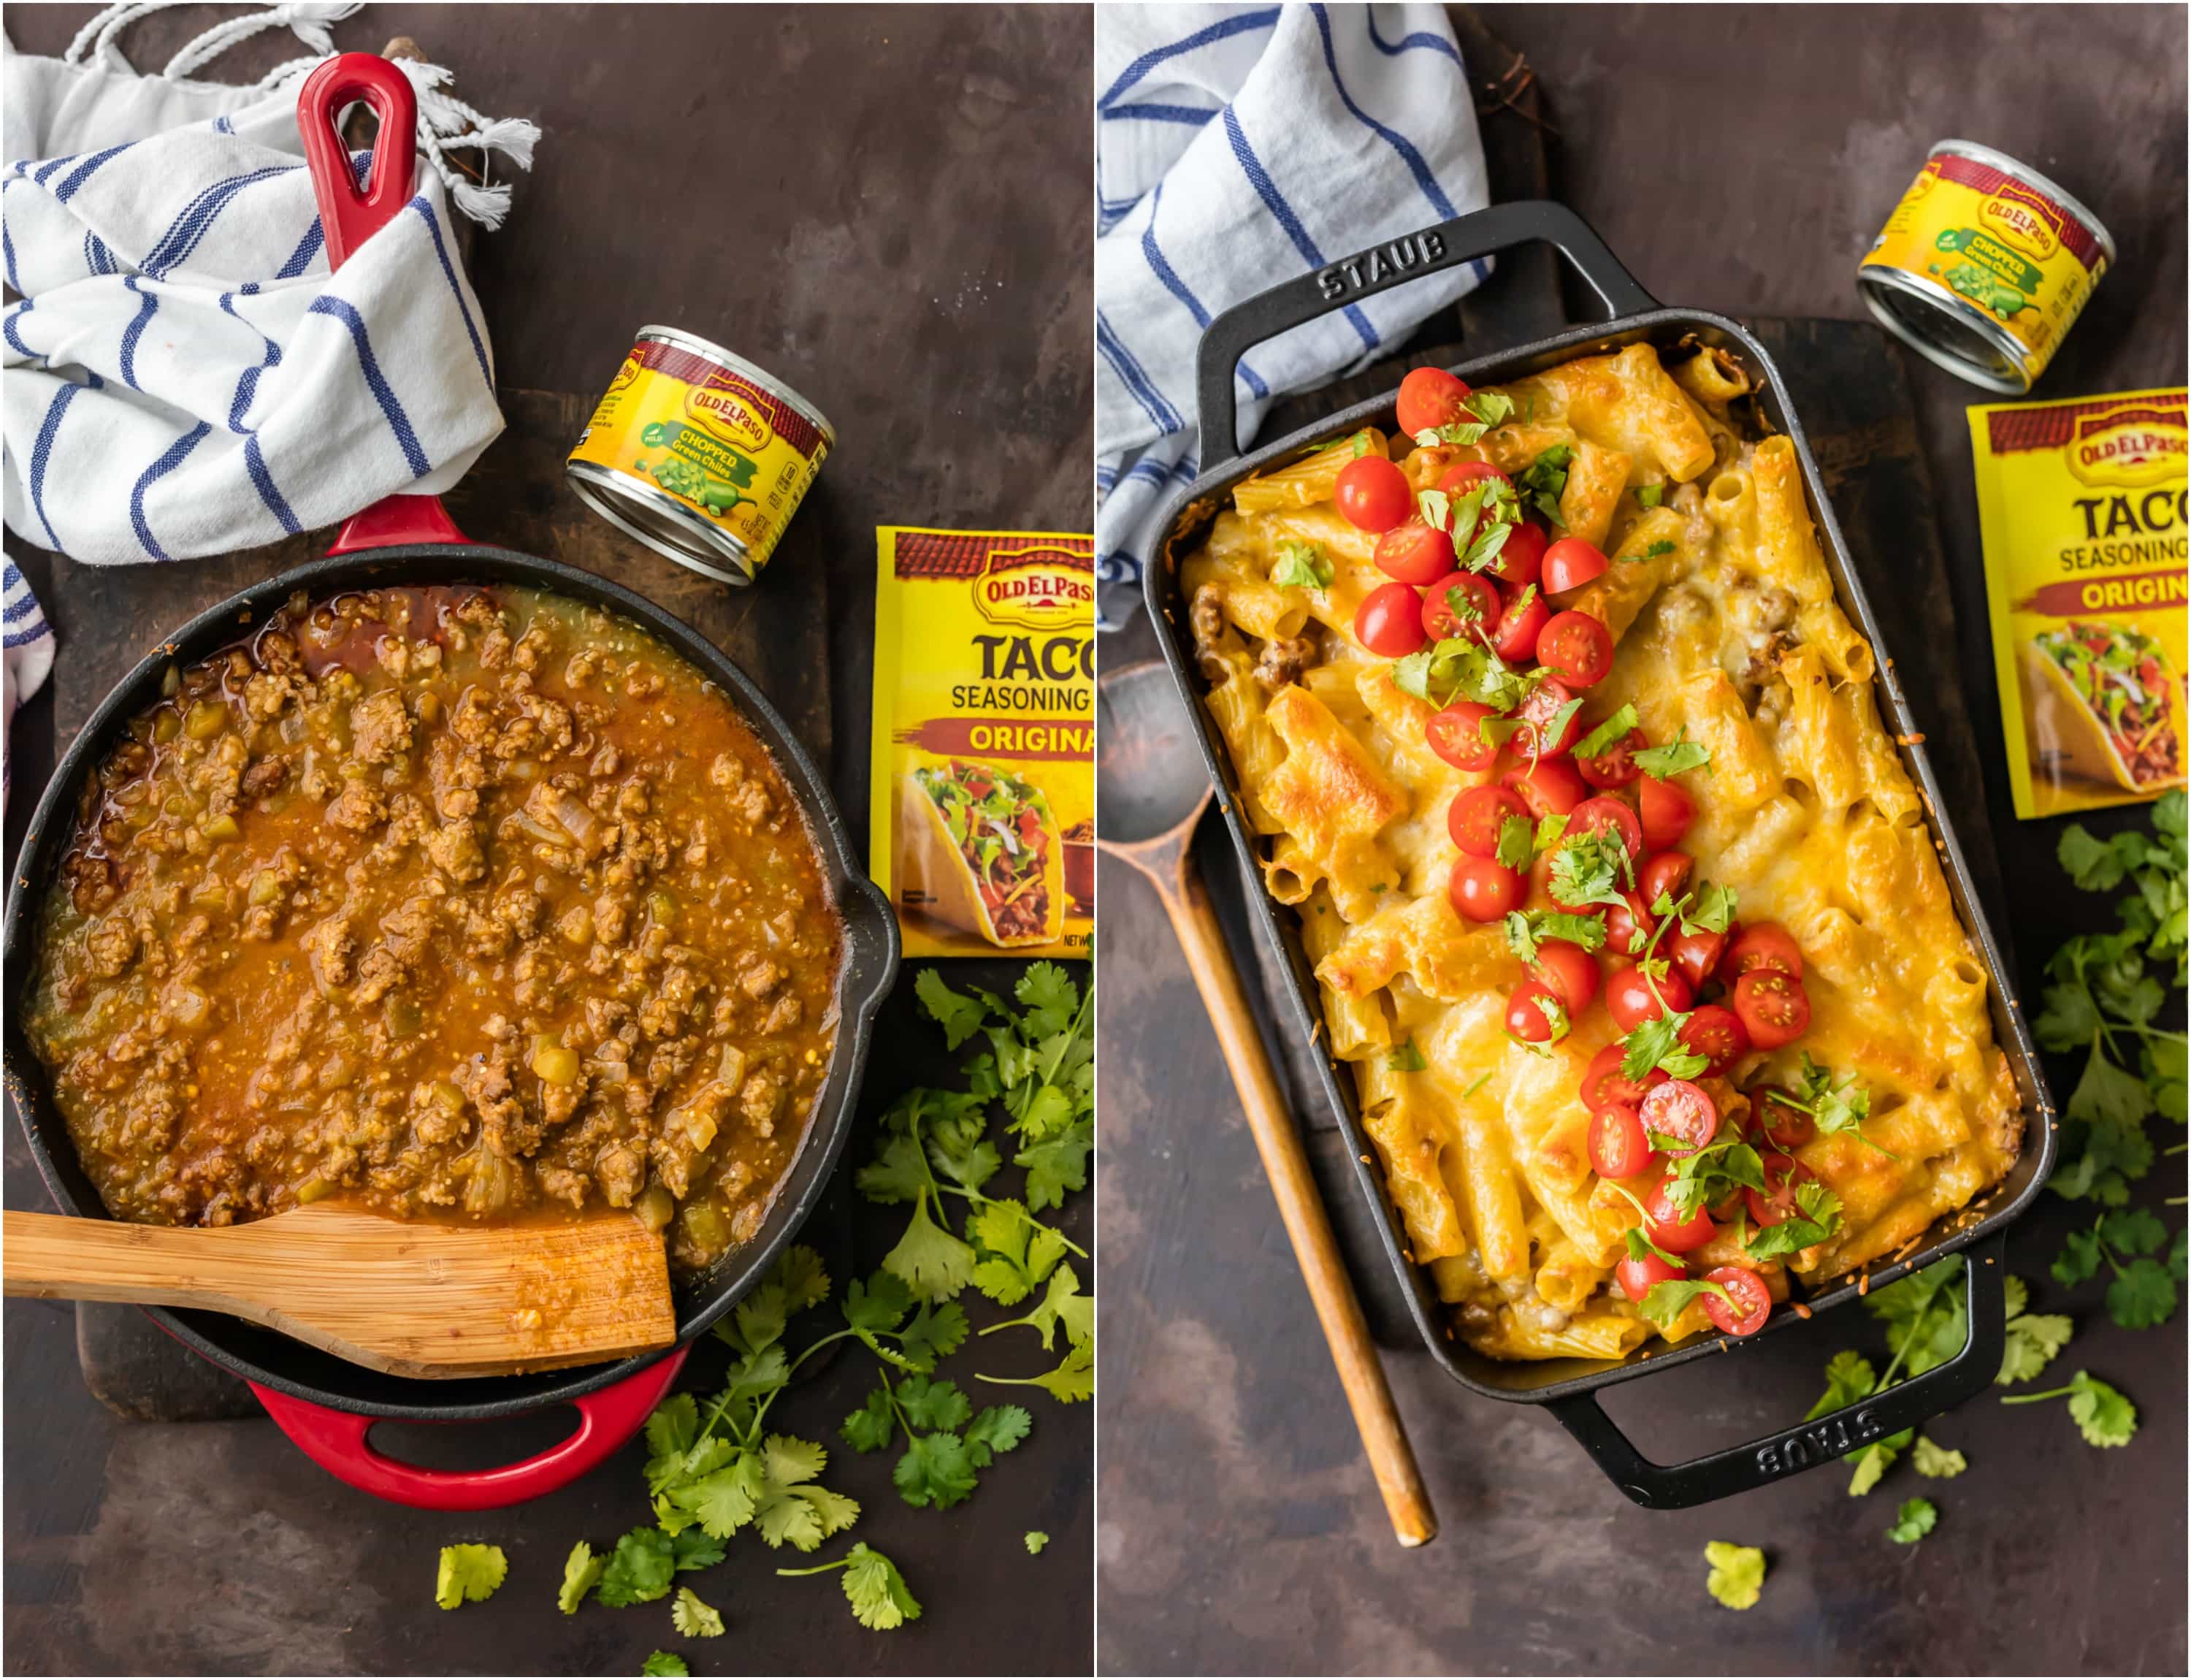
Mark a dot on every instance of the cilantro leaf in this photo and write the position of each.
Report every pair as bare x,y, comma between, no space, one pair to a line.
1916,1519
1036,1540
959,1016
1075,1379
663,1663
1849,1378
1660,546
639,1570
873,1427
1667,1301
2093,865
930,1405
2034,1338
1545,479
2142,1296
1017,1251
936,1470
582,1573
1301,565
1057,1164
1817,1217
996,1429
1675,757
1872,1463
469,1573
933,1263
1614,728
2132,1231
1517,843
694,1618
1738,1573
2101,1413
1928,1458
1650,495
1588,870
878,1595
1406,1059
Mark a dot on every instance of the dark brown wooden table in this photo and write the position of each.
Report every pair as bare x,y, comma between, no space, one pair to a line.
888,207
1738,159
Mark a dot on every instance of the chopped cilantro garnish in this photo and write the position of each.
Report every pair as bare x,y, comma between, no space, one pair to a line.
1614,728
1661,546
1675,757
1545,479
1589,869
1406,1059
1650,495
1301,565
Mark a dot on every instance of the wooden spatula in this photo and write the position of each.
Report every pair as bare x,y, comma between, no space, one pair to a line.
413,1299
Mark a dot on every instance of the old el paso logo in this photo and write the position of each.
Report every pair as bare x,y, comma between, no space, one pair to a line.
1039,589
2131,449
1380,264
2020,226
726,415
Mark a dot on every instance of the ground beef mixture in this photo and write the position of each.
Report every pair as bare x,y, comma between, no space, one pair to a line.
460,902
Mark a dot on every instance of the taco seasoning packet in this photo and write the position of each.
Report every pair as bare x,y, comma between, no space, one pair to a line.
2081,508
982,797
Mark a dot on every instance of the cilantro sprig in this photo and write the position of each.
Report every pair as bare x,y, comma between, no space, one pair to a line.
1300,565
2127,1241
1677,755
1544,480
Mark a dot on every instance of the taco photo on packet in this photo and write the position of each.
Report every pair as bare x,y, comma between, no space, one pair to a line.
2099,703
981,851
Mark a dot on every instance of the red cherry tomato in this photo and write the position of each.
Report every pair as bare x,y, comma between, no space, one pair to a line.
1604,1083
1464,590
1776,1204
1413,553
1520,557
1456,735
1431,397
1681,1110
1663,1224
1568,970
1482,888
1717,1033
1618,1146
1603,814
1476,815
1548,787
1634,998
1570,563
1628,926
1750,1302
1635,1277
1666,811
1695,955
1775,1008
1390,620
1666,873
1531,1010
1614,767
1761,945
1373,493
1520,622
1576,648
1781,1125
1463,477
1537,713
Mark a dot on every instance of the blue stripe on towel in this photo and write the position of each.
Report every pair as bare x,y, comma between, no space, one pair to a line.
146,310
197,219
1114,350
1422,39
1414,159
301,258
15,339
85,170
152,475
41,453
246,386
1188,115
1275,203
1162,268
262,480
398,422
1219,31
448,270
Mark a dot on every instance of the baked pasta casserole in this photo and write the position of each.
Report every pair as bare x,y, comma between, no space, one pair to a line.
1623,908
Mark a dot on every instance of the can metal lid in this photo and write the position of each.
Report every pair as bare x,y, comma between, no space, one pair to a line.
663,522
1944,330
710,351
2030,177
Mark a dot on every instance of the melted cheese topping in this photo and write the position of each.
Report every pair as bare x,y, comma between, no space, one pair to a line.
1726,627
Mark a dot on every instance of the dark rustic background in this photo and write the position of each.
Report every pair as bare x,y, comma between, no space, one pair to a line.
1738,159
887,207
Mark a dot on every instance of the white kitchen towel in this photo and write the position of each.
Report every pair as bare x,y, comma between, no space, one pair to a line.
183,376
1237,147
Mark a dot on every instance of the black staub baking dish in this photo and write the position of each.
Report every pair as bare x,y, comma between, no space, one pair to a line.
1570,1387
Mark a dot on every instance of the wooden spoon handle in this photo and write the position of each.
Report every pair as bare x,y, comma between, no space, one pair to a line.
1315,1249
45,1254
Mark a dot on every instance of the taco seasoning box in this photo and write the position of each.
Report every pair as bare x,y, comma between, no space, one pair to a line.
982,760
2081,508
699,454
1983,266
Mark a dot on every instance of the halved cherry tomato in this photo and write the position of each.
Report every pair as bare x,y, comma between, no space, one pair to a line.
1634,998
1618,1146
1603,814
1628,926
1531,1011
1475,816
1482,888
1520,622
1635,1277
1431,397
1666,811
1570,563
1664,873
1520,557
1750,1303
1414,553
1761,945
1773,1007
1776,1204
1548,787
1537,712
1462,590
1568,970
1463,476
1783,1125
1373,493
1681,1110
1695,955
1390,620
1665,1225
1614,767
1602,1081
1576,648
1456,735
1717,1033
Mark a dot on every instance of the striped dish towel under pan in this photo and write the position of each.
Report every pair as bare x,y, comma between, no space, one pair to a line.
1237,147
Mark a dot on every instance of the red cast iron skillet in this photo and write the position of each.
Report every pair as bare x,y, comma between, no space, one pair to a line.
1569,1387
326,1405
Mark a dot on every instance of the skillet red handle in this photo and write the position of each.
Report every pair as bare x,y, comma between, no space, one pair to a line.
349,216
336,1441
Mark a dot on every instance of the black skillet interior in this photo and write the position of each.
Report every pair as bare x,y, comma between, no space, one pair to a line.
1566,1384
870,961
